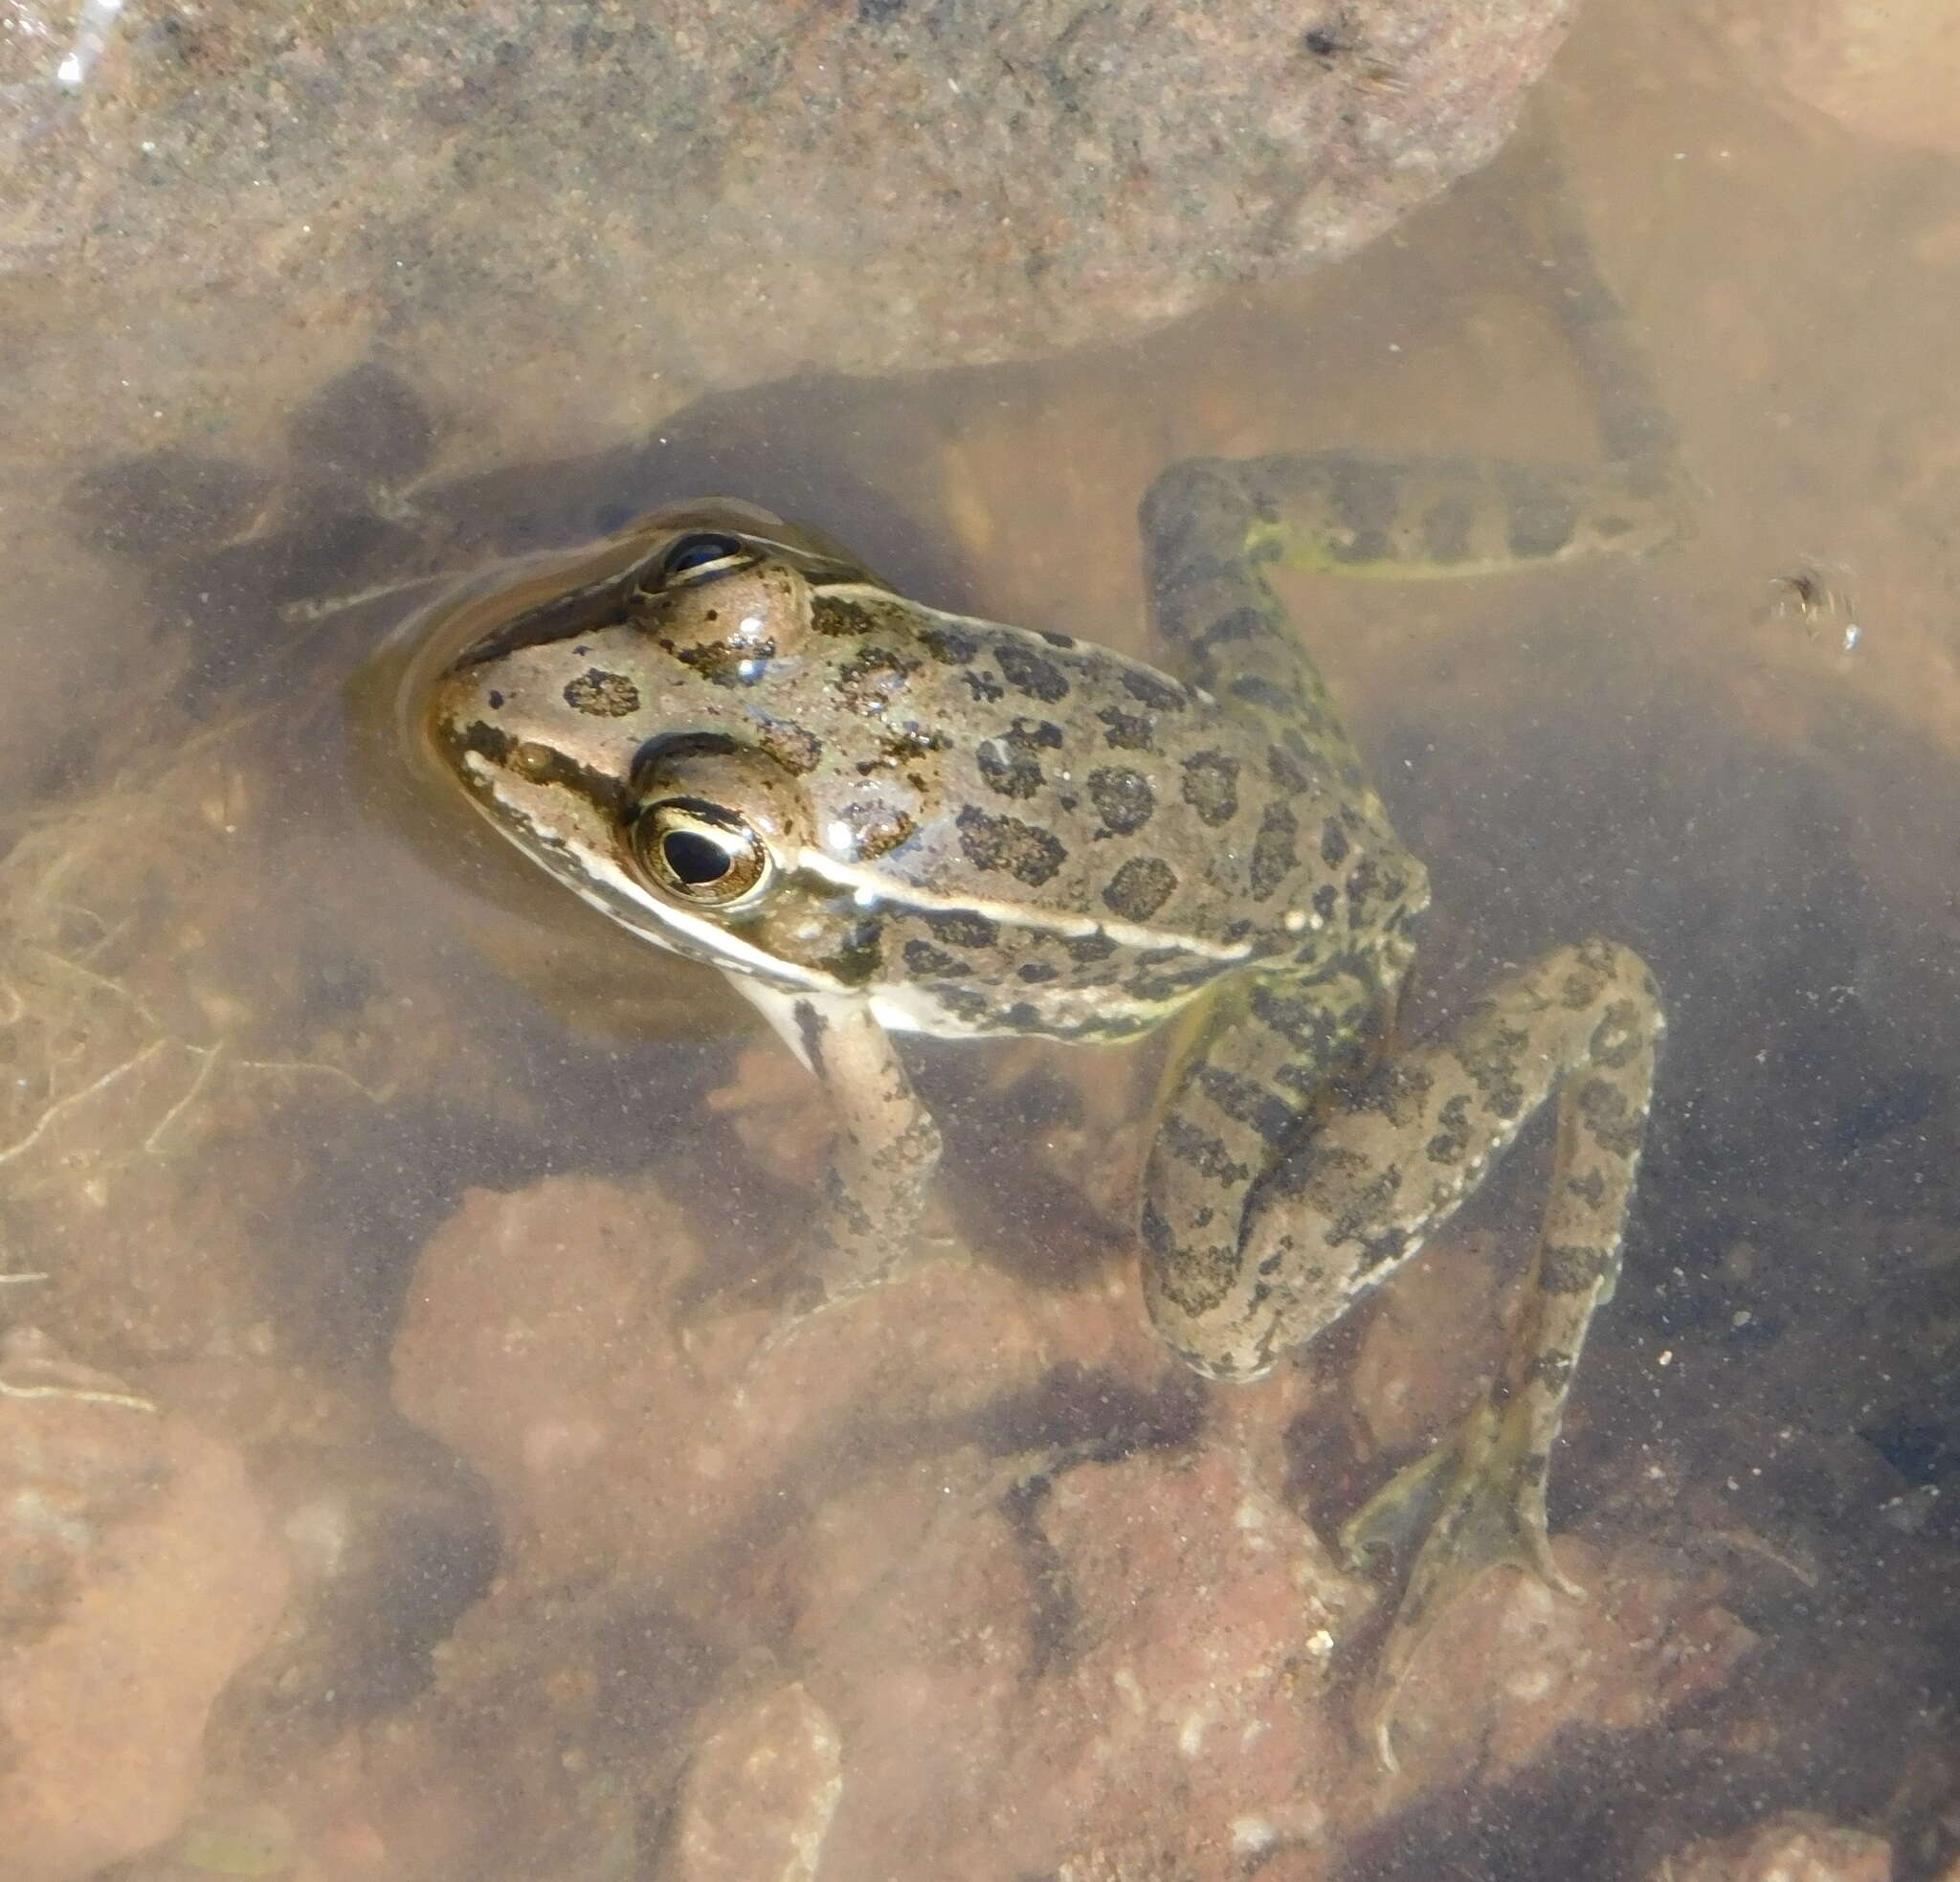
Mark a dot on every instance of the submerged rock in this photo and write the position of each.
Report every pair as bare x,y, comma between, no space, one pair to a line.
602,211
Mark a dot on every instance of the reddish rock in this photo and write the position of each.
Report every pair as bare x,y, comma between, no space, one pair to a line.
1795,1846
1143,1666
1186,1721
759,1794
136,1575
1514,1662
547,1339
600,213
949,1535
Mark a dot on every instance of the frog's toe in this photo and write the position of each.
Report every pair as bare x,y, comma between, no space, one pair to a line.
1472,1503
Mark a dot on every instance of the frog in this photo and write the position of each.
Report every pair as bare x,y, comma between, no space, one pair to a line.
877,818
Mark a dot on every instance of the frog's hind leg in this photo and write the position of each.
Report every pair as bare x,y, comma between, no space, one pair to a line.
1206,525
1357,1196
1215,525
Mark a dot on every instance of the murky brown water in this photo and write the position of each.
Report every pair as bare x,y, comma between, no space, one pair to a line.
529,1579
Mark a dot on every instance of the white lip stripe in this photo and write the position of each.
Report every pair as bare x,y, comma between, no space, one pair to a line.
739,955
721,946
717,942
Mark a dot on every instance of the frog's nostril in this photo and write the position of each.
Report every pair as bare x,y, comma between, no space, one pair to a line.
533,760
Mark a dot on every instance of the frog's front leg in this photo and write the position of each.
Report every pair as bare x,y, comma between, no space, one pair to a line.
888,1145
1342,1206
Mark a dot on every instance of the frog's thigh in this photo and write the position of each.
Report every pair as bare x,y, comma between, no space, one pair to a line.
889,1144
1343,1208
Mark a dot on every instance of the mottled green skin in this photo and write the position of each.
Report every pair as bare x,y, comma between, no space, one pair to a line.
957,827
973,829
1059,841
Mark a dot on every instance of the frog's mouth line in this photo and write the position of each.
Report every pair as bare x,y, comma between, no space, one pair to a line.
483,755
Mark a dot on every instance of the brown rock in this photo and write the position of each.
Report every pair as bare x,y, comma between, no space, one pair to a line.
676,202
136,1575
1795,1846
966,1538
547,1339
1064,1649
1514,1662
759,1794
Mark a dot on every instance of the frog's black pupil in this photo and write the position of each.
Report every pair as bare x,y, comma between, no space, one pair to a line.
697,552
694,859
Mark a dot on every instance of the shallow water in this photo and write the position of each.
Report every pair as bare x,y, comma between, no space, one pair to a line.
557,1570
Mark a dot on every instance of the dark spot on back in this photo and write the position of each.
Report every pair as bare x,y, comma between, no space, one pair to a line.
725,662
870,680
1006,843
1367,496
948,645
1027,672
603,695
1255,689
1122,798
932,963
1155,690
1240,624
1125,732
792,747
877,829
1211,786
1274,857
1541,514
1140,888
1008,774
1287,771
965,931
859,957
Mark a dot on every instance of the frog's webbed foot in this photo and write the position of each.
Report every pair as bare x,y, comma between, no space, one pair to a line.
1472,1503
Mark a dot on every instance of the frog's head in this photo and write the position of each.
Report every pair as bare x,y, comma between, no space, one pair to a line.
645,723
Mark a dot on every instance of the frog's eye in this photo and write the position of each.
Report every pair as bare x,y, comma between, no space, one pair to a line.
698,852
697,553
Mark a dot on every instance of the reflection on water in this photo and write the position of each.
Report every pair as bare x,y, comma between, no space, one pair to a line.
439,1221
